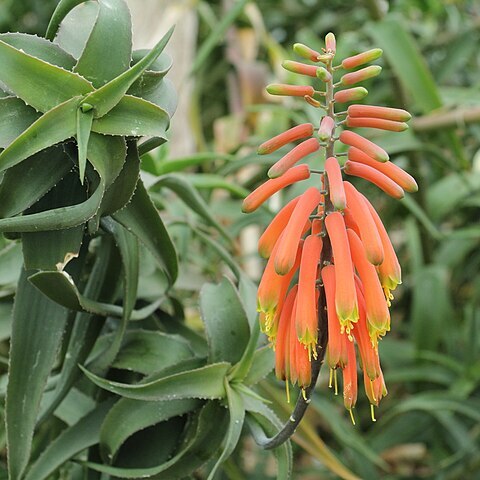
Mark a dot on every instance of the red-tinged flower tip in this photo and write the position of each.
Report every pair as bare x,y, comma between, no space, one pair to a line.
301,68
327,125
371,240
270,187
282,343
272,233
398,175
309,53
353,139
273,288
350,95
345,295
290,90
291,135
387,113
389,271
306,315
362,58
291,158
379,123
378,316
335,182
330,43
337,346
360,75
323,74
367,349
374,176
288,243
350,385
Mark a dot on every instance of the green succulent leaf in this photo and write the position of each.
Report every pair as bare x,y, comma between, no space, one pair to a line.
15,117
164,95
55,126
41,48
141,218
61,11
227,340
38,83
108,50
25,183
204,383
72,441
107,96
84,125
37,329
133,116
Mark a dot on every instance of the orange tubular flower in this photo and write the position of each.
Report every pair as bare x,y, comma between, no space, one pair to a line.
270,187
291,158
345,295
273,287
380,123
282,344
368,351
335,183
374,176
306,315
361,75
284,257
300,368
355,140
291,135
362,58
350,382
301,68
378,316
351,95
337,346
389,271
386,113
398,175
290,90
368,232
274,230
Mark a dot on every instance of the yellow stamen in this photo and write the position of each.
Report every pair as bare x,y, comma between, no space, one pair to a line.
351,416
287,388
330,380
372,412
304,395
335,381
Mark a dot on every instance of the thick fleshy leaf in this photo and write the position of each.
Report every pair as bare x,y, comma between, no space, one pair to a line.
236,412
38,83
123,187
262,364
37,330
164,95
106,97
227,339
51,250
23,184
184,189
69,443
15,117
152,77
130,416
108,50
204,383
201,443
86,327
41,48
134,117
147,352
11,262
84,126
141,218
61,11
55,126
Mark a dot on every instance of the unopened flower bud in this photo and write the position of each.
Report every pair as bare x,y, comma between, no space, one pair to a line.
301,68
326,128
362,58
361,75
290,90
330,42
355,140
323,74
387,113
306,52
351,95
380,123
291,135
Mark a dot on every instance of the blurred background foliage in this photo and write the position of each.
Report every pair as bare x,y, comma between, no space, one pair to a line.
429,424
